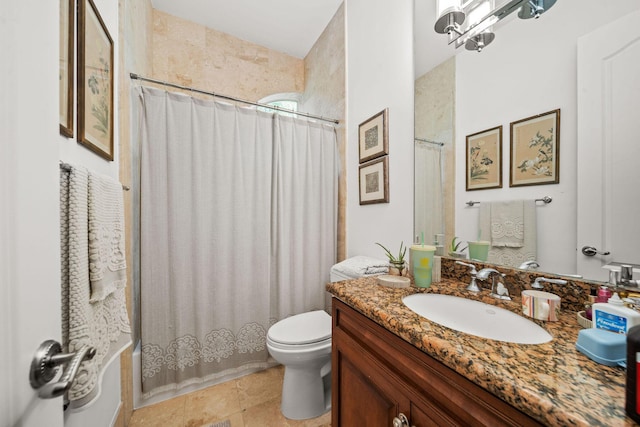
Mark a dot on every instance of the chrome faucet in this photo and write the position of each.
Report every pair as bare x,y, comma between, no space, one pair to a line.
498,290
537,284
529,265
473,286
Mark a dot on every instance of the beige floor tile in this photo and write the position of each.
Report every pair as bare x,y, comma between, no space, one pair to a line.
235,419
260,387
167,414
268,415
321,421
211,404
251,401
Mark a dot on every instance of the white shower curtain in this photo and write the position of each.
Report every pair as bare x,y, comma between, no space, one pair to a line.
429,203
221,259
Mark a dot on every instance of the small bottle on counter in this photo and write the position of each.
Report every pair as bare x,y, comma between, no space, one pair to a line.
604,293
438,243
632,405
588,306
614,316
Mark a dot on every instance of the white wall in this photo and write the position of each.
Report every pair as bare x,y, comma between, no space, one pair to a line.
379,38
529,69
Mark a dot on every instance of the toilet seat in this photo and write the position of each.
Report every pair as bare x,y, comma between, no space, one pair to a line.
309,329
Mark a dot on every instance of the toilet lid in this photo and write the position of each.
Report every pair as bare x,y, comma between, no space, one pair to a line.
302,328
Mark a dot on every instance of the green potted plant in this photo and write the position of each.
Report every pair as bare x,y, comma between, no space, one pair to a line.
454,249
397,264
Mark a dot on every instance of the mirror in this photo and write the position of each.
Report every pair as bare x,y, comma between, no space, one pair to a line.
529,69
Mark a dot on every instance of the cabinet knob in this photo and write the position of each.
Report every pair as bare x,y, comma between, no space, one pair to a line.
400,421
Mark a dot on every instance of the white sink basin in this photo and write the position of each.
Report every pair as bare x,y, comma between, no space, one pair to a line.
477,318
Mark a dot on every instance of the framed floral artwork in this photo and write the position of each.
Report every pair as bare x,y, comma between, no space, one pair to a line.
484,159
67,14
374,181
95,81
373,136
535,154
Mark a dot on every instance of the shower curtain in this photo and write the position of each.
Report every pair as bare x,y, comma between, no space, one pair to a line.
238,230
429,203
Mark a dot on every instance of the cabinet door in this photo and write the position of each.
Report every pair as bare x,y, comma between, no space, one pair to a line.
364,400
429,415
365,392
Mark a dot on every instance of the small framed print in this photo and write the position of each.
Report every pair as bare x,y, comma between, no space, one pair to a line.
484,159
374,182
95,81
67,24
373,136
535,154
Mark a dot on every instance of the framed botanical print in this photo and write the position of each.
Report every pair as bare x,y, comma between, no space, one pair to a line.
373,136
67,23
95,81
374,181
484,159
535,154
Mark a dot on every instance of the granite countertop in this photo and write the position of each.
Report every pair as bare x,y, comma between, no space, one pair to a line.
552,382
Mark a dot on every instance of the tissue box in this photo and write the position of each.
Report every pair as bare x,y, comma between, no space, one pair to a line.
605,347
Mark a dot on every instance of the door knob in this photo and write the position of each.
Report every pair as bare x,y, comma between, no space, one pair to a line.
45,366
401,420
591,251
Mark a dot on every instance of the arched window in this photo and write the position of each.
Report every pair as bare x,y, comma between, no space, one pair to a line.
288,101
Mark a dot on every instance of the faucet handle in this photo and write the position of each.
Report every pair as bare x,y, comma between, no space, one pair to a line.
473,285
538,285
474,272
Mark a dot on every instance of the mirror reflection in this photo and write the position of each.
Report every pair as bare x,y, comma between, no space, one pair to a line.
532,67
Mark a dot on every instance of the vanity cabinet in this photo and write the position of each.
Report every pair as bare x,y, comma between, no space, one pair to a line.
376,376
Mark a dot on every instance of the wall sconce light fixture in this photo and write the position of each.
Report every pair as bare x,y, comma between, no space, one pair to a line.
469,22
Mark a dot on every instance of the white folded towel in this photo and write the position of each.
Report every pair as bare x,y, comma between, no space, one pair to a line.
507,224
103,324
107,264
511,256
361,265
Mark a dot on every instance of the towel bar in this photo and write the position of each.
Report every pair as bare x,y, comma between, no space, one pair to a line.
545,199
67,167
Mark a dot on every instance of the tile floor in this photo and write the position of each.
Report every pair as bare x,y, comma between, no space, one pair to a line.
250,401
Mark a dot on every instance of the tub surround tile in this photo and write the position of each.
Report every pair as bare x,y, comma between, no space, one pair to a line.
552,382
191,54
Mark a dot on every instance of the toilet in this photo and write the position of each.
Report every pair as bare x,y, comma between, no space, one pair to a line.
302,343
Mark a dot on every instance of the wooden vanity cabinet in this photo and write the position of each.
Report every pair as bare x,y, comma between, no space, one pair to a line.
376,376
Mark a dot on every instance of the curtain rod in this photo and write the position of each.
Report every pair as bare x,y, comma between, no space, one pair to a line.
135,76
429,141
67,167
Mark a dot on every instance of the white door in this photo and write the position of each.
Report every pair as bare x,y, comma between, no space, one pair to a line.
609,145
29,229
